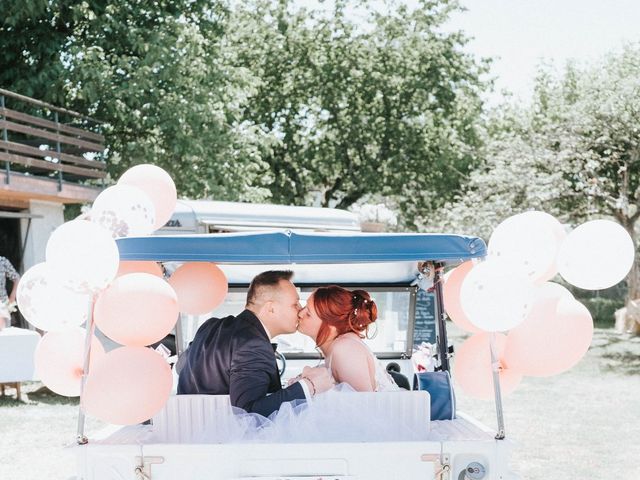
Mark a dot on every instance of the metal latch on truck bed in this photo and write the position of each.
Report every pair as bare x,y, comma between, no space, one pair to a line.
441,466
143,468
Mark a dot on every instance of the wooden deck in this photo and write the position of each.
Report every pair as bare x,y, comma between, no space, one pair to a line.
48,153
23,188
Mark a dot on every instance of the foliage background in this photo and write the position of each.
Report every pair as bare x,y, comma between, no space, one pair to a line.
265,101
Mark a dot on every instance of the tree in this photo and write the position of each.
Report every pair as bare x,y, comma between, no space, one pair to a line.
34,34
599,109
575,152
517,173
153,71
263,101
386,107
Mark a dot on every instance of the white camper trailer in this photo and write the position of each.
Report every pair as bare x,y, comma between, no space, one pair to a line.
206,216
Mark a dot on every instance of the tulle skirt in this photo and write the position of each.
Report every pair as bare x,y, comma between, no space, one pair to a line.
340,415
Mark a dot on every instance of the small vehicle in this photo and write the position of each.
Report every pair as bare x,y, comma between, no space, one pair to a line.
394,267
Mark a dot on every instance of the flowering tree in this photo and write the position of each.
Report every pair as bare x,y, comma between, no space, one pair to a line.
574,152
597,109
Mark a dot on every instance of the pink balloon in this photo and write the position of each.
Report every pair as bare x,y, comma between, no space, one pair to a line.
472,367
59,359
137,309
152,268
451,294
201,287
158,185
127,386
554,337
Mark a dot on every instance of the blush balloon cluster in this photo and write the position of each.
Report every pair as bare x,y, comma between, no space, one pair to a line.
130,302
538,328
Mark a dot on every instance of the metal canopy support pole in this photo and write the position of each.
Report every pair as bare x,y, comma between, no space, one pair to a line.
58,150
24,243
443,343
5,137
495,368
180,333
80,437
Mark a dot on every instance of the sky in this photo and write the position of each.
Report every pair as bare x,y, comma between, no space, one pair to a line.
521,33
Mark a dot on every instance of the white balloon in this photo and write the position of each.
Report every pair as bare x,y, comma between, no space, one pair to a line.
596,255
549,290
49,305
124,211
84,255
529,242
495,297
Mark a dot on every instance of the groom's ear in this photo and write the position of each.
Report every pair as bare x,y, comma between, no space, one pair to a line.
272,307
267,308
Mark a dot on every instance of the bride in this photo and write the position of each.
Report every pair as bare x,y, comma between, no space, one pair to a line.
338,320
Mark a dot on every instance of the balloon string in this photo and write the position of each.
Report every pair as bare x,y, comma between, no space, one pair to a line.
90,326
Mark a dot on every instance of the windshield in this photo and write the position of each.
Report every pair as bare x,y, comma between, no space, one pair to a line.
389,336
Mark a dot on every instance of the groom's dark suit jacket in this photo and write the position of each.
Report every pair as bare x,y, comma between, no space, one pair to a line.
233,356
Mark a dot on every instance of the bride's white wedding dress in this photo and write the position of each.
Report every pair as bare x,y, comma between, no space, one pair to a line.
339,415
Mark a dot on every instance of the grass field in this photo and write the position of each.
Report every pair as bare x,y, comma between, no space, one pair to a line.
582,424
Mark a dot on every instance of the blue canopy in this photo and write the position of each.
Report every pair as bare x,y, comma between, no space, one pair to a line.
304,248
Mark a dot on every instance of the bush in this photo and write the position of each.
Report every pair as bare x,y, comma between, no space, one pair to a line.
602,304
602,310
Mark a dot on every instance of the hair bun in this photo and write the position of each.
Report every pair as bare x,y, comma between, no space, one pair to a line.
365,311
344,310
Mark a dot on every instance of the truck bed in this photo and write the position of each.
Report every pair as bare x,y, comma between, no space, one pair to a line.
158,451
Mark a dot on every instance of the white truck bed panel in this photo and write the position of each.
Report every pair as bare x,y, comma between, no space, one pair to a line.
460,429
167,453
192,418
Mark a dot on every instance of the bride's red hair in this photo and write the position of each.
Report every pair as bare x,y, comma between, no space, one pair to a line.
346,310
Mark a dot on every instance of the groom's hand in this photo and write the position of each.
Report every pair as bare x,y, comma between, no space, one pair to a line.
319,377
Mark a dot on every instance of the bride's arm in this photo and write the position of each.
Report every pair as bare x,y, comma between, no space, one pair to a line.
351,365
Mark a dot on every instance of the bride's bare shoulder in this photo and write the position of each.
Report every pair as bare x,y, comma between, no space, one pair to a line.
347,342
351,363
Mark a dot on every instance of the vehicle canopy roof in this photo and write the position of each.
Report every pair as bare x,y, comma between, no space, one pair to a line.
315,257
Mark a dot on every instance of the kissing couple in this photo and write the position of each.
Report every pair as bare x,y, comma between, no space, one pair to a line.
234,356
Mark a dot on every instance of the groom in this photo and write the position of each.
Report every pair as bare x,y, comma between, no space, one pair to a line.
234,356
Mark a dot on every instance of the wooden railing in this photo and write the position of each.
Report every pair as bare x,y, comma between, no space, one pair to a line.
39,139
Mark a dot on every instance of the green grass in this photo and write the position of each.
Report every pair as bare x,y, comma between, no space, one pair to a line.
582,424
35,432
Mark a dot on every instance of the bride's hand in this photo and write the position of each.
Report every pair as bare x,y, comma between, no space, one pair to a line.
319,377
